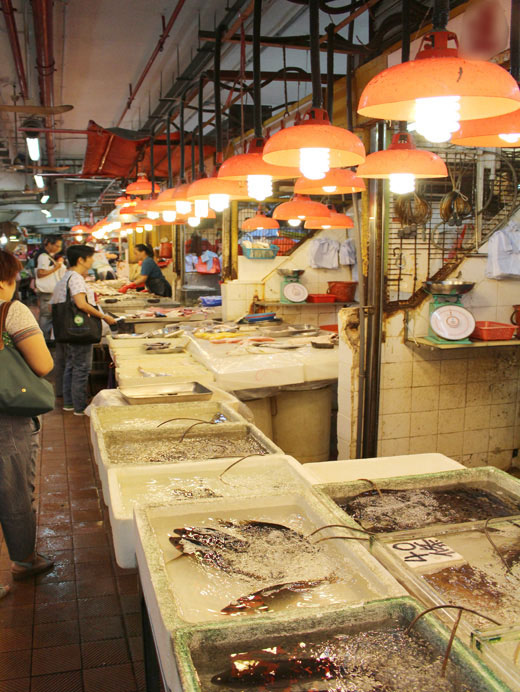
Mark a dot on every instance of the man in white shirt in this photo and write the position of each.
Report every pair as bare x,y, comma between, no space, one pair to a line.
49,270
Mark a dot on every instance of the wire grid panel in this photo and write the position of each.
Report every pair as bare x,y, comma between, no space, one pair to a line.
488,182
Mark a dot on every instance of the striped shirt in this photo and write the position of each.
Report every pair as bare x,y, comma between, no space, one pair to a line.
20,323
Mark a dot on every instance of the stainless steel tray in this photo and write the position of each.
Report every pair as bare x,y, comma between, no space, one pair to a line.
164,393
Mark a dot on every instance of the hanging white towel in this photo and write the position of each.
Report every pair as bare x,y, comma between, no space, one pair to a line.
324,253
347,252
504,253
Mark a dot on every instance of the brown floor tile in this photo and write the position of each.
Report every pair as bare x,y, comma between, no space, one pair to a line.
127,584
130,603
95,555
110,679
56,659
138,667
49,519
133,624
90,540
88,527
56,634
94,629
102,606
58,682
55,612
85,570
97,587
15,666
86,515
55,593
88,494
22,593
15,638
64,529
12,616
110,652
19,685
60,572
52,544
136,648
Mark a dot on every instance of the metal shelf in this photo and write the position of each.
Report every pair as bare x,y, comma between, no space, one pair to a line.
422,341
278,303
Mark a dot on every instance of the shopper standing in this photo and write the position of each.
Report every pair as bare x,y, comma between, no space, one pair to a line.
49,270
17,460
78,356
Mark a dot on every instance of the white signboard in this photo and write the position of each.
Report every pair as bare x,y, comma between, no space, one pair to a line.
425,552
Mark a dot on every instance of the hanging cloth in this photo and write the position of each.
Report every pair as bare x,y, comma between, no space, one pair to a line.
324,253
504,253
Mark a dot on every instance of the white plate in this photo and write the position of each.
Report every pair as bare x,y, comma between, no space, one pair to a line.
295,292
452,322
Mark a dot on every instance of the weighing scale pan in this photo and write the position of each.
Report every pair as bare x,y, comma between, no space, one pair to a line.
295,292
452,322
290,272
450,287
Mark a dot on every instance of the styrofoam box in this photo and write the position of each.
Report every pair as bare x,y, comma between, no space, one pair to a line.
176,370
378,467
105,455
130,487
499,648
178,591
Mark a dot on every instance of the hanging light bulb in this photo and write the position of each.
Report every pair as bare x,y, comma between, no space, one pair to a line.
511,138
193,221
259,187
329,189
139,229
148,227
153,215
294,222
439,88
218,201
341,181
201,208
314,162
169,216
79,238
502,131
183,207
437,118
402,163
402,183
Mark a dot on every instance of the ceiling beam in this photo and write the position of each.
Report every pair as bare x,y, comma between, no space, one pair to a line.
341,45
296,76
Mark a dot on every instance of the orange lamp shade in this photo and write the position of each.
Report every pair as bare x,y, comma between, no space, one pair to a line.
338,181
141,207
142,186
402,157
240,166
204,187
127,209
314,131
485,89
486,132
80,228
260,222
300,207
335,220
121,201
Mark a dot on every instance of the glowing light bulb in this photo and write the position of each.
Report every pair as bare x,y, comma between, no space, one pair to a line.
169,216
510,138
3,240
329,189
259,187
38,179
437,118
139,229
78,238
153,215
44,199
401,183
33,147
325,226
116,225
148,227
219,202
201,208
314,162
294,222
193,221
183,207
124,234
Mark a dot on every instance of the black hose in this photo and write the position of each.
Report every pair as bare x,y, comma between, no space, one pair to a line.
314,32
330,69
201,127
441,14
182,171
169,150
216,77
257,88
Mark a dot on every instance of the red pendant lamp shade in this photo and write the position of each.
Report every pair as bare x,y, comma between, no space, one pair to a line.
260,222
485,89
240,166
300,207
486,132
335,220
141,187
204,187
314,132
338,181
402,157
80,228
121,201
127,210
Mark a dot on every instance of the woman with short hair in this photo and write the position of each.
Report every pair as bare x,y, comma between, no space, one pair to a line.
151,276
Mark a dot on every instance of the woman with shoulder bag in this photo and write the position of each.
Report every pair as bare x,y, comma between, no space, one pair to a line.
25,358
76,324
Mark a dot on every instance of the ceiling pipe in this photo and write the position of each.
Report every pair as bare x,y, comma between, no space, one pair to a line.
10,23
158,48
43,32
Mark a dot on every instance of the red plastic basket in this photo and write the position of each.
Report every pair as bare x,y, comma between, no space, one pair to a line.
321,298
329,327
493,331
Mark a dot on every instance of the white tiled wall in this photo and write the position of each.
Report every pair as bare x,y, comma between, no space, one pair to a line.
463,403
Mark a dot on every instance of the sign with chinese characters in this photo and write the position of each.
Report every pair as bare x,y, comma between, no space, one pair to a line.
424,552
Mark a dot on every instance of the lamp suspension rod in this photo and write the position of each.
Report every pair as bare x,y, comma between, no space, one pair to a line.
405,44
514,42
441,14
257,87
314,32
182,171
202,172
330,70
218,107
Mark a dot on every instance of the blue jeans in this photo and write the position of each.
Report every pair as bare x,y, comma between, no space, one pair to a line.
18,453
78,363
45,320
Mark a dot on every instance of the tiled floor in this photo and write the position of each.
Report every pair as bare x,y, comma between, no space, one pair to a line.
78,627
